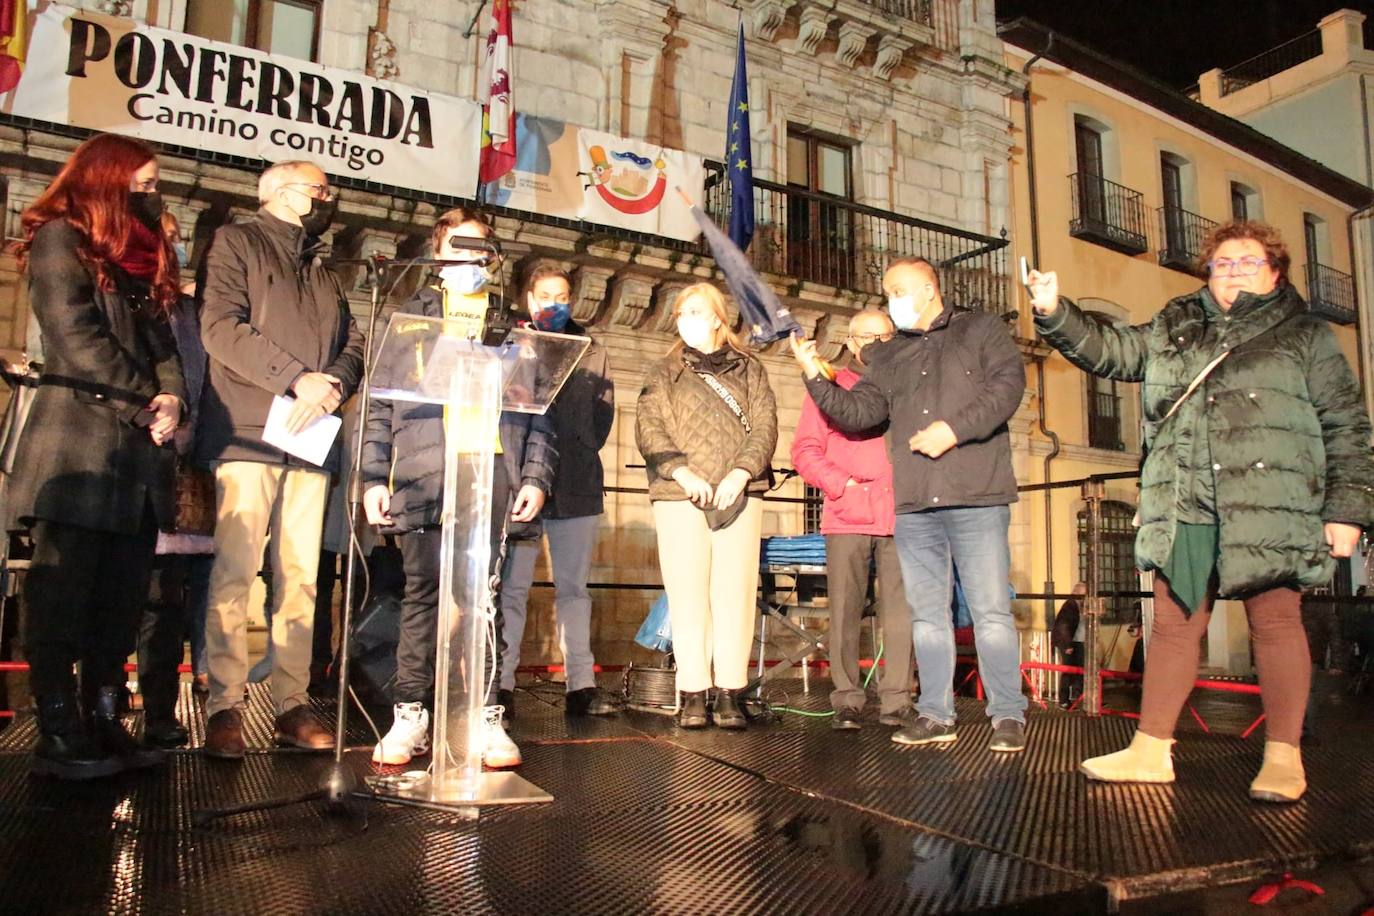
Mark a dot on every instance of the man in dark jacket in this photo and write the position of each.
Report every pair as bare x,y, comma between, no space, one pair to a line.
946,384
275,323
582,414
1067,637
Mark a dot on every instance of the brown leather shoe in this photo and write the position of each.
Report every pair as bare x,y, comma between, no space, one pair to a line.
298,727
224,735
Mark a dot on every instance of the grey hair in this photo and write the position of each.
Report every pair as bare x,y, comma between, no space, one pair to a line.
871,311
278,175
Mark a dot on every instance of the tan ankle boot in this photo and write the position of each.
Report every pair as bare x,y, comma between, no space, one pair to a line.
1146,760
1281,778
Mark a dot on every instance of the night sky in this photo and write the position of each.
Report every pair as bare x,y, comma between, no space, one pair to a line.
1177,40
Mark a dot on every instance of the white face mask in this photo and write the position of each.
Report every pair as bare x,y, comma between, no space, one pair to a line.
902,311
697,332
465,278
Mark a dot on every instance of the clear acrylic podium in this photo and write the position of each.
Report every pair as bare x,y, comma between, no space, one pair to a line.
439,368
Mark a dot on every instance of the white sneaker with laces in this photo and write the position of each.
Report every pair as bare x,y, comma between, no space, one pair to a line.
498,750
409,736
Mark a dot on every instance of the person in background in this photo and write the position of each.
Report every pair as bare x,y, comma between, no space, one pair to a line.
1258,477
403,474
1067,636
857,519
275,323
582,414
181,568
707,425
947,385
93,471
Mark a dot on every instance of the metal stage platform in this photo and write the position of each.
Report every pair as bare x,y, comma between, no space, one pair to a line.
785,817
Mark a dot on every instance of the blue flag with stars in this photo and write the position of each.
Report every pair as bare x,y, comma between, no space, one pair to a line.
738,156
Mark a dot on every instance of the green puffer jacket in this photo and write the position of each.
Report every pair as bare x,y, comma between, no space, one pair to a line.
1288,435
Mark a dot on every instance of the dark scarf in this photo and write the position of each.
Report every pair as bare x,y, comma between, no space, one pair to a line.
142,249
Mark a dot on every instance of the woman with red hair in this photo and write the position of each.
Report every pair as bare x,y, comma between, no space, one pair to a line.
93,472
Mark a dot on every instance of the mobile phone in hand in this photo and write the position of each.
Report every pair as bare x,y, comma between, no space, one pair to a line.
1025,272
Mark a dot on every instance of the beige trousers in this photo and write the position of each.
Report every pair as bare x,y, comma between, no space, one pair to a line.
252,499
712,580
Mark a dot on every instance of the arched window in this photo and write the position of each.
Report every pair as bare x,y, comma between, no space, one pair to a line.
1116,562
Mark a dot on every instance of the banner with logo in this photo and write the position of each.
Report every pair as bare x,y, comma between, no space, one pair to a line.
575,173
113,74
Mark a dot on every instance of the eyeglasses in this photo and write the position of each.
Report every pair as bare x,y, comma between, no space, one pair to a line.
1238,267
864,340
318,191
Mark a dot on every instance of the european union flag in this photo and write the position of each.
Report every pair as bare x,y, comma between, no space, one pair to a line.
738,156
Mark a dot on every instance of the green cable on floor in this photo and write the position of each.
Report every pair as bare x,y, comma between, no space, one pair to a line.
872,669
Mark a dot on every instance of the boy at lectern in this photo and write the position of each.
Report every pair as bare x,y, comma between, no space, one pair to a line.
403,474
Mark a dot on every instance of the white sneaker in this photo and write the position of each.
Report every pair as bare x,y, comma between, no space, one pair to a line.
409,736
498,751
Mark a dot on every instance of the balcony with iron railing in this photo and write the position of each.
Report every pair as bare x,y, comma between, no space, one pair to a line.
1108,214
1330,293
1275,60
1181,233
817,238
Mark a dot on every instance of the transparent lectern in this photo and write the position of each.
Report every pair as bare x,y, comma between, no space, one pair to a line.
438,369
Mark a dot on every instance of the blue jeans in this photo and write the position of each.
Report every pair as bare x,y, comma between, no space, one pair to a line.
929,544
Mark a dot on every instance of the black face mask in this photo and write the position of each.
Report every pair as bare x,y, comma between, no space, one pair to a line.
316,222
147,207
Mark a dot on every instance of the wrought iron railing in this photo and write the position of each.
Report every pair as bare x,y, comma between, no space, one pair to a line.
1104,420
915,10
835,242
1181,233
1275,60
1108,213
1330,293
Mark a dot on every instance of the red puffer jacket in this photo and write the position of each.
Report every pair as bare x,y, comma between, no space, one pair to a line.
827,458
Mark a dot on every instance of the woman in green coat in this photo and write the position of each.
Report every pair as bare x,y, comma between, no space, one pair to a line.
1258,476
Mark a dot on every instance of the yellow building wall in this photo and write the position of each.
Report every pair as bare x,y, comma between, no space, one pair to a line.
1137,284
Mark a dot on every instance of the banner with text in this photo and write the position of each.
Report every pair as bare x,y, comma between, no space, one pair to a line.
575,173
113,74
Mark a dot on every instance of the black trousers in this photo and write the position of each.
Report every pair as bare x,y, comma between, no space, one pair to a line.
85,591
420,557
166,625
1071,685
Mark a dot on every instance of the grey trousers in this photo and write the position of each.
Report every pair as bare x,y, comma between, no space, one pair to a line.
571,542
848,558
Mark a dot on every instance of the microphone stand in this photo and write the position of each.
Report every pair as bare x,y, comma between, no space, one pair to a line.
340,783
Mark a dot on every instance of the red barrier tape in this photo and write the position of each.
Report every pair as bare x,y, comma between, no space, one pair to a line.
1266,893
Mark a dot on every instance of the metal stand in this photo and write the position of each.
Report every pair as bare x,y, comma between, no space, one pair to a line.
1094,491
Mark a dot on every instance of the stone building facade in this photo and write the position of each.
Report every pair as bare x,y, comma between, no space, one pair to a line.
879,129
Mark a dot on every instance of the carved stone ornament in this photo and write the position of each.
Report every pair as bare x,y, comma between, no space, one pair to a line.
853,37
811,31
589,292
890,51
664,298
381,57
768,17
631,296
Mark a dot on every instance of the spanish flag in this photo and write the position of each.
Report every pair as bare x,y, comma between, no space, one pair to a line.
14,41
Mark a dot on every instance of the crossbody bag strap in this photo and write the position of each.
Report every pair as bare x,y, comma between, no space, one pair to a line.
1196,383
714,384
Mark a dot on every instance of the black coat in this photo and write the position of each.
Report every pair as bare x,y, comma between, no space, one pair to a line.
81,459
270,311
403,447
582,414
965,370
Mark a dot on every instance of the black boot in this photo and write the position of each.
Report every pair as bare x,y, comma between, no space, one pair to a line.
164,731
110,734
65,749
727,712
693,714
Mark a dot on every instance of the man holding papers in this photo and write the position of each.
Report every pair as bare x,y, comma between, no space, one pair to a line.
276,325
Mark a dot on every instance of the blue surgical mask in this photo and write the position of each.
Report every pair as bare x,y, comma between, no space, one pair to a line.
902,311
182,257
465,278
553,316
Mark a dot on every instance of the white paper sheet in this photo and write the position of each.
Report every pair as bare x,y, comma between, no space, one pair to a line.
310,444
